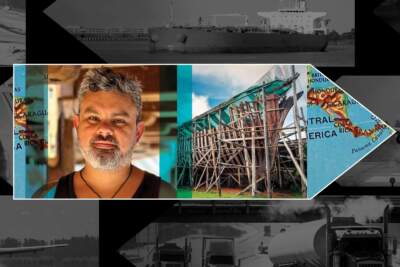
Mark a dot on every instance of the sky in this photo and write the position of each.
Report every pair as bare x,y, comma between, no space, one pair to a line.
136,13
48,220
214,84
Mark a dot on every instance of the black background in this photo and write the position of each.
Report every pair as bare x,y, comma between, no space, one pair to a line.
377,52
5,75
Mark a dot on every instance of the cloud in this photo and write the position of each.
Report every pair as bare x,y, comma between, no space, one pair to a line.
362,209
235,78
199,104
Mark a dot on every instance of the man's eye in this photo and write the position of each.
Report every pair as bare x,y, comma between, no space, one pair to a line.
93,119
119,122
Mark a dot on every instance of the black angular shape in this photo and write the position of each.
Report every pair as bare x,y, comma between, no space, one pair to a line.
48,42
6,73
120,221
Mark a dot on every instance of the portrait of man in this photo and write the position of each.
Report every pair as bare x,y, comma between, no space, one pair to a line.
108,126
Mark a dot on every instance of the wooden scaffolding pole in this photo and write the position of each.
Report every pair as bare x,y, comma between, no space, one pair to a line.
266,145
299,137
250,145
219,155
296,164
253,163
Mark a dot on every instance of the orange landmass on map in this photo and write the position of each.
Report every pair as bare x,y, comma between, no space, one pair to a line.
333,102
20,118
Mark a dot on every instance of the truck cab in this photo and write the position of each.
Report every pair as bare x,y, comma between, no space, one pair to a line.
218,252
170,255
359,246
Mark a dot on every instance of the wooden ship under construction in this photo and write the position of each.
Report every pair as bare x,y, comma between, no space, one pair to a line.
245,145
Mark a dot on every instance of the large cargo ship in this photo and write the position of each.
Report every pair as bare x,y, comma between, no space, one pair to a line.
290,29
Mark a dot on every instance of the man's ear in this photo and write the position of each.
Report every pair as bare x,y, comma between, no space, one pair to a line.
76,121
139,130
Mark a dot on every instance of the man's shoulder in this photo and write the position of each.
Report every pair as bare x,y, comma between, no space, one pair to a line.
46,191
49,189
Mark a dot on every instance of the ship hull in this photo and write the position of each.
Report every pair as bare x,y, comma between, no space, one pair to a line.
201,40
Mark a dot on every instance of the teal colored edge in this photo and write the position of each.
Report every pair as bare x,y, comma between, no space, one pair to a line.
20,154
184,108
36,160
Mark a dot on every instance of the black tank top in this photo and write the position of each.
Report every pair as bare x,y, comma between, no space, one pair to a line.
149,188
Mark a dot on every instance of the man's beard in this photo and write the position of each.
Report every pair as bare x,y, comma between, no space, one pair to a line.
106,159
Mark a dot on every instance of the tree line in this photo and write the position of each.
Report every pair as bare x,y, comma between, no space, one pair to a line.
85,246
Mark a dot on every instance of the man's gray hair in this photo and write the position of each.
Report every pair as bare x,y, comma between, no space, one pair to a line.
105,79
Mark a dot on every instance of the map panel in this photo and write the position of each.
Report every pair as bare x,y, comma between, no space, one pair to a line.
341,131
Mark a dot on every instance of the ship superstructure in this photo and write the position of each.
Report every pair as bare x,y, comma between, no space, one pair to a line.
293,15
290,29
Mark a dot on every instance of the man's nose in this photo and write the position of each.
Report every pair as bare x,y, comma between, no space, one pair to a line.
105,129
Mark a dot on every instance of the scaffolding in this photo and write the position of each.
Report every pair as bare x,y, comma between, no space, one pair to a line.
243,143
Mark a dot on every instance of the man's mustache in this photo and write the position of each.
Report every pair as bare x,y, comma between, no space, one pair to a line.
108,138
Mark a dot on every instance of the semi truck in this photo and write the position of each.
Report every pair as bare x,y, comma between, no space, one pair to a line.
172,255
218,252
334,242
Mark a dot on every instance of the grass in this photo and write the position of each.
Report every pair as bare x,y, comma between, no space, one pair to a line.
184,192
223,195
188,193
